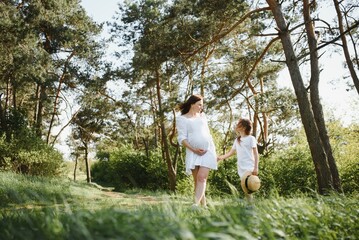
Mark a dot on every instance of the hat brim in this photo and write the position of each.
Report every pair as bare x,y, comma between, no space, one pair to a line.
243,182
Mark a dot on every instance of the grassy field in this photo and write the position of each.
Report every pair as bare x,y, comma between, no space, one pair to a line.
43,208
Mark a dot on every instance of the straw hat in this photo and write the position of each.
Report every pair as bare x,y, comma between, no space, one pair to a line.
250,183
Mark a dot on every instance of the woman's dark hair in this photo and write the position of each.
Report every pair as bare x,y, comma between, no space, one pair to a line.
186,106
246,124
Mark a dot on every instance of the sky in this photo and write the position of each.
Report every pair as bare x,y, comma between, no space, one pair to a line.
101,12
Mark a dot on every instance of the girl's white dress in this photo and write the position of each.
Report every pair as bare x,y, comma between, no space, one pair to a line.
197,133
245,158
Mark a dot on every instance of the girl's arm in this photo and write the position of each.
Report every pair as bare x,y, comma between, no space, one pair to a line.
228,154
256,160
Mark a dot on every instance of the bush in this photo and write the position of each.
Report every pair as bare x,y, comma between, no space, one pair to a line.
41,162
225,180
29,155
288,172
23,152
127,168
345,142
292,169
350,177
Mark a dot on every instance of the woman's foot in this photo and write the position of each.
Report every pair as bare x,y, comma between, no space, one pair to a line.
195,207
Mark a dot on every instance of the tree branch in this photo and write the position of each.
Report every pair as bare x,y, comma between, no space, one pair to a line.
225,33
246,81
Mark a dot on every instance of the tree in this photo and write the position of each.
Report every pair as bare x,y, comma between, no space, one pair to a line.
47,46
92,120
345,47
324,176
151,66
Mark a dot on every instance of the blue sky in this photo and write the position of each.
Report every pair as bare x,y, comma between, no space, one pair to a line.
100,11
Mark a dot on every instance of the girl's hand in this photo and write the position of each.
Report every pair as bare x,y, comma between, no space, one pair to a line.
255,172
219,158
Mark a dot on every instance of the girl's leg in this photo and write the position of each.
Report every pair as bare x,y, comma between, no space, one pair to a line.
249,197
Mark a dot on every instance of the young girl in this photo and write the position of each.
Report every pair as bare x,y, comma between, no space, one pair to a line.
245,145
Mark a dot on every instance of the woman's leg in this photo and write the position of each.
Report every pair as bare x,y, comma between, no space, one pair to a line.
194,174
201,176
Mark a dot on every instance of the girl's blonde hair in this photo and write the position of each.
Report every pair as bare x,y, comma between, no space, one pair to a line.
246,124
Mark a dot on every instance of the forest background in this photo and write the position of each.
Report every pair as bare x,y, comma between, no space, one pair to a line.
56,64
114,97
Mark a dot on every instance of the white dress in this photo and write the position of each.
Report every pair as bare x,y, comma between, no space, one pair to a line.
244,150
197,133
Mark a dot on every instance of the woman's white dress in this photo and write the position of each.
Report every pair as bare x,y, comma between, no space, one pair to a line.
197,133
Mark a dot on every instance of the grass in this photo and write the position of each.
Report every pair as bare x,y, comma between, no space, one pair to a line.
43,208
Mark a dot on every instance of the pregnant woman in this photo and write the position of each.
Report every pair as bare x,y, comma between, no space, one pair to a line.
194,135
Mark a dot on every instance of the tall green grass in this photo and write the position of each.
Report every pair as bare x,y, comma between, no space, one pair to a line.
42,208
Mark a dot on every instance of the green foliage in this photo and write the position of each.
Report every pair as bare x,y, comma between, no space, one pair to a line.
55,209
284,173
22,151
43,162
345,142
291,170
46,51
225,180
127,168
288,172
185,185
349,174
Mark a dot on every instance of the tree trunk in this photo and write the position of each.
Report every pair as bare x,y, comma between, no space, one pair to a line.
37,97
164,141
314,95
87,162
57,96
203,69
41,99
229,129
345,47
75,168
154,115
318,154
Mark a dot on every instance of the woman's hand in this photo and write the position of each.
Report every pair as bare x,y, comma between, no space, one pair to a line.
199,151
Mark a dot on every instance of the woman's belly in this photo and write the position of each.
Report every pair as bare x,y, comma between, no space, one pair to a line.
200,141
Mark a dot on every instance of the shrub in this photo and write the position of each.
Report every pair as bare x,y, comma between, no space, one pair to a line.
21,150
28,154
288,172
127,169
345,142
350,177
225,178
